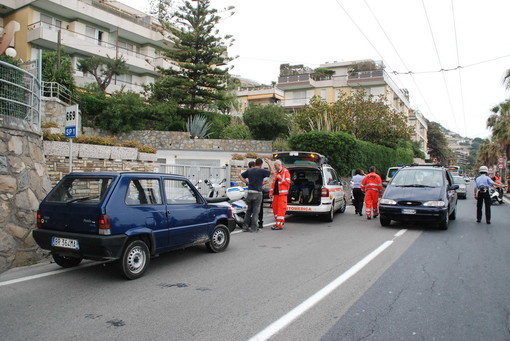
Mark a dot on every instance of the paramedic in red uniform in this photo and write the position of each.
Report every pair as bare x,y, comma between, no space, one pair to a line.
279,191
372,187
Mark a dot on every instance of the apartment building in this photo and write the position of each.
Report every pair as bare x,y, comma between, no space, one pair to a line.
88,28
301,84
258,95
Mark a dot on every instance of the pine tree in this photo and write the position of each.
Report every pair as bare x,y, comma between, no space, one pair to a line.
195,82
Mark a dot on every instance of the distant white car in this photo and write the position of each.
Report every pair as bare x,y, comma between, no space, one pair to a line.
461,191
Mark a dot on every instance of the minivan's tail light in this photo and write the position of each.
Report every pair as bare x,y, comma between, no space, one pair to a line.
104,225
39,219
325,192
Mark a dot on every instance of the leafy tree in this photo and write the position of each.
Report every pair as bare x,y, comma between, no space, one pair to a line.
58,67
123,113
92,103
364,116
437,143
267,122
195,82
416,145
103,69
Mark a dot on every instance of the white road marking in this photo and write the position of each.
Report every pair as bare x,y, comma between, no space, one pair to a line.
45,274
287,319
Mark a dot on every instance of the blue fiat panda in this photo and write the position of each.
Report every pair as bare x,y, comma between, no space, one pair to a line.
128,217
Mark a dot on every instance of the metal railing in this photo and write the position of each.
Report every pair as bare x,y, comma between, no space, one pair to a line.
56,90
20,97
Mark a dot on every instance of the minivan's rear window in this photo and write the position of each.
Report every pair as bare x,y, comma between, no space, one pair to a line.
80,190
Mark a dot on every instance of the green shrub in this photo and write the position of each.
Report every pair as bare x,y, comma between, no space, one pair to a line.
345,153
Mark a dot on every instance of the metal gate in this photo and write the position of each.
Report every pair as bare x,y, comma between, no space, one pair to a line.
198,175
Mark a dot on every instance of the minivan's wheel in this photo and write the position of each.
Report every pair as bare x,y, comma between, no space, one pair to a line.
444,224
453,215
219,240
342,207
135,259
384,221
331,214
66,261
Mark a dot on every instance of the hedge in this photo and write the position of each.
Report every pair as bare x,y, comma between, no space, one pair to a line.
346,153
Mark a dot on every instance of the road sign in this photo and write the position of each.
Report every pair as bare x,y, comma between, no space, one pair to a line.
501,166
70,132
71,121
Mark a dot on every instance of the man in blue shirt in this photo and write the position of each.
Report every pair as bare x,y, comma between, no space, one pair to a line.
482,184
254,178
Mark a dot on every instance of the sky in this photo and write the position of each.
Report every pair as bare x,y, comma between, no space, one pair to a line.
415,39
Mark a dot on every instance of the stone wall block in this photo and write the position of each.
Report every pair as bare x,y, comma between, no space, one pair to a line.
7,242
147,157
16,164
27,200
15,145
17,231
93,151
59,148
4,165
123,153
23,180
8,183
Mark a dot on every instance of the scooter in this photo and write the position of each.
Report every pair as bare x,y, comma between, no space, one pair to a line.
495,196
214,188
236,197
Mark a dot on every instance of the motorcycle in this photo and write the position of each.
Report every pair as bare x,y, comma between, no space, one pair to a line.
236,197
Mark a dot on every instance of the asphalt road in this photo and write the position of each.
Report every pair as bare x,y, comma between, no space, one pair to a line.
346,280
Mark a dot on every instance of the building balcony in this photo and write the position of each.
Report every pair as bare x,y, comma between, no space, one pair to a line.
363,78
46,36
261,92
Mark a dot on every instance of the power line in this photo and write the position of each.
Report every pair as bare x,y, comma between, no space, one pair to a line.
450,69
460,71
440,63
401,60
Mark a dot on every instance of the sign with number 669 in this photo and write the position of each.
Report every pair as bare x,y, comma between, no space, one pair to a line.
71,121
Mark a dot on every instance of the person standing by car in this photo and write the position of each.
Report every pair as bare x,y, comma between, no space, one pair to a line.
254,178
357,193
481,193
372,187
251,164
279,192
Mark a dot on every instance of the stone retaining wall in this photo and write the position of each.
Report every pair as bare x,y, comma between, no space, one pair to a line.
179,140
23,184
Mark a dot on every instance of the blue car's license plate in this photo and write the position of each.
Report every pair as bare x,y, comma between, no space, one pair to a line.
408,211
65,242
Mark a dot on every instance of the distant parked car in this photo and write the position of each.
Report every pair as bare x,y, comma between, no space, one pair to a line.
462,190
420,194
128,217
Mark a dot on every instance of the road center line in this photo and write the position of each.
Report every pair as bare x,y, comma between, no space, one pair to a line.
286,319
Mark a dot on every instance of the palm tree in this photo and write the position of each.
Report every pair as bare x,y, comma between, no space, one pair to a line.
499,123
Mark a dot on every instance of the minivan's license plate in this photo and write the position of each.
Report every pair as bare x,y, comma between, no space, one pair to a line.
64,242
408,211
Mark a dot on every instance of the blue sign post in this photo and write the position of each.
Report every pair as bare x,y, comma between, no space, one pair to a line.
70,130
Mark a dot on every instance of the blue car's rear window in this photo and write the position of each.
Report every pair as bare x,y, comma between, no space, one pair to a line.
80,190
